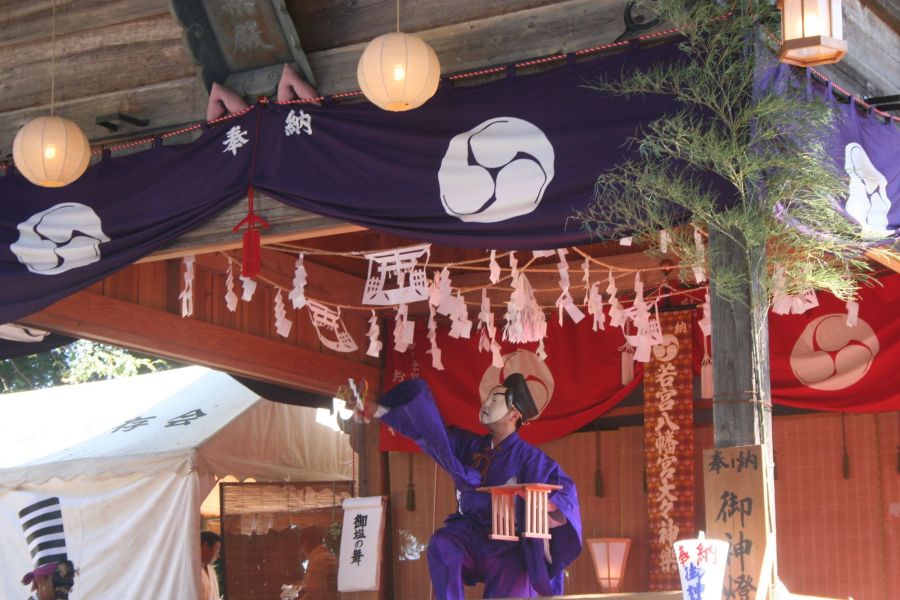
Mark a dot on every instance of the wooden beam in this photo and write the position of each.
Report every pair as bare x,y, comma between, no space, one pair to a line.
562,27
326,24
872,65
285,224
103,319
27,21
112,58
499,38
164,104
887,257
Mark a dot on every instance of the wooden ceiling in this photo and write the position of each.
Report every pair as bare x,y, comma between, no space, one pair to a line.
128,56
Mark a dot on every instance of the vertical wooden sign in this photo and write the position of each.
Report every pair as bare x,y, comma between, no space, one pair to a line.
737,510
669,445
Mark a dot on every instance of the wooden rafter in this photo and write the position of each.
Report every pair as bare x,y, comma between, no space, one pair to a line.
104,319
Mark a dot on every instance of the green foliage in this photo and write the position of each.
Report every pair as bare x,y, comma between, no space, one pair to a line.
78,362
768,146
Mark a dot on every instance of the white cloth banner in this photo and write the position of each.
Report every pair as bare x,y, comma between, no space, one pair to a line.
130,537
361,542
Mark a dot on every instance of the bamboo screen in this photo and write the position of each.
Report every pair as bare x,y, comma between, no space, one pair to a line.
836,537
262,525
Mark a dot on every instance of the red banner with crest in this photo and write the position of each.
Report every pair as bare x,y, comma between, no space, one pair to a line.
823,360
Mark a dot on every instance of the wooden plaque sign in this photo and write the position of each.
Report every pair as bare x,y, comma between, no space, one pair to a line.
737,511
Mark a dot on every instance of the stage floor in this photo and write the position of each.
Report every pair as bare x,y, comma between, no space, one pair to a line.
623,596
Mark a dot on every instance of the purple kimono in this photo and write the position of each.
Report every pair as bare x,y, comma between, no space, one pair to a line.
461,551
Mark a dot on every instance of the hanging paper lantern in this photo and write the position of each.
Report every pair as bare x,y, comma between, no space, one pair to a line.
811,32
398,72
51,151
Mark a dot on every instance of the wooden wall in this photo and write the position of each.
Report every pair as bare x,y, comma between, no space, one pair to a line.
836,537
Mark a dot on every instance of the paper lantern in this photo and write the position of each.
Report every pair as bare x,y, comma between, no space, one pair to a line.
610,556
398,72
51,151
811,32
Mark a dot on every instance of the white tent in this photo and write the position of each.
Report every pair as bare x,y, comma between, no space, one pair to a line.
131,461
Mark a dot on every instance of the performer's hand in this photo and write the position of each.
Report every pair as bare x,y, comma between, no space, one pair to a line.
364,413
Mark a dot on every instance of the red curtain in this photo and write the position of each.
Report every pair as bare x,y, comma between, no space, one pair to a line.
583,368
818,362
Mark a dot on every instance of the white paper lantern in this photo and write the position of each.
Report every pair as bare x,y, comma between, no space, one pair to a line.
51,151
811,32
398,72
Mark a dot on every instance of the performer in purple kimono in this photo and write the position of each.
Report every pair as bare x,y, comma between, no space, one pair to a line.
462,552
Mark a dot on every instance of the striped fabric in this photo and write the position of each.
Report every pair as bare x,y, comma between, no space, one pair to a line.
43,526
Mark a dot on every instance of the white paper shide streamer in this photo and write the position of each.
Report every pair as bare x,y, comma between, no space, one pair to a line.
487,342
432,339
282,323
404,329
187,293
297,295
374,335
460,324
525,321
248,287
565,302
495,267
595,307
852,313
616,313
231,297
784,303
698,268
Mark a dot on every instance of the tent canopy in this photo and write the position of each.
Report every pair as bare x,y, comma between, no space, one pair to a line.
176,421
129,463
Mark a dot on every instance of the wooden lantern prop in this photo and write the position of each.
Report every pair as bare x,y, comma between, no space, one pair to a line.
811,32
610,556
503,510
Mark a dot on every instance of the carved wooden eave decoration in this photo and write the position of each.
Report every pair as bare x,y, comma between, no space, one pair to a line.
241,43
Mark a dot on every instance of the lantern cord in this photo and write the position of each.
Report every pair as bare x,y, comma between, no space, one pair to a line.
398,16
52,53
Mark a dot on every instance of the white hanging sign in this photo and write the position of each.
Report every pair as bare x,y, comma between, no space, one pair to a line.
360,558
395,276
331,329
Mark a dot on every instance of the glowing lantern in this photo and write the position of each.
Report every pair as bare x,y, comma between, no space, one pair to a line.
51,151
398,72
610,556
811,32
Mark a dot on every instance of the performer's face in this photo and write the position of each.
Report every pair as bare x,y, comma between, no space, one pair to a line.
493,406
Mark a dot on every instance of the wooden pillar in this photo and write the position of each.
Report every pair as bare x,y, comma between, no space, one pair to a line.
742,392
742,397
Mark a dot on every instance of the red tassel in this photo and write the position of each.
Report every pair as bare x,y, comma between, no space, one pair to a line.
251,263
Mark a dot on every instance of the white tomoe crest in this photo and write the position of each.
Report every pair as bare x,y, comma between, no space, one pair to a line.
63,237
497,170
867,200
